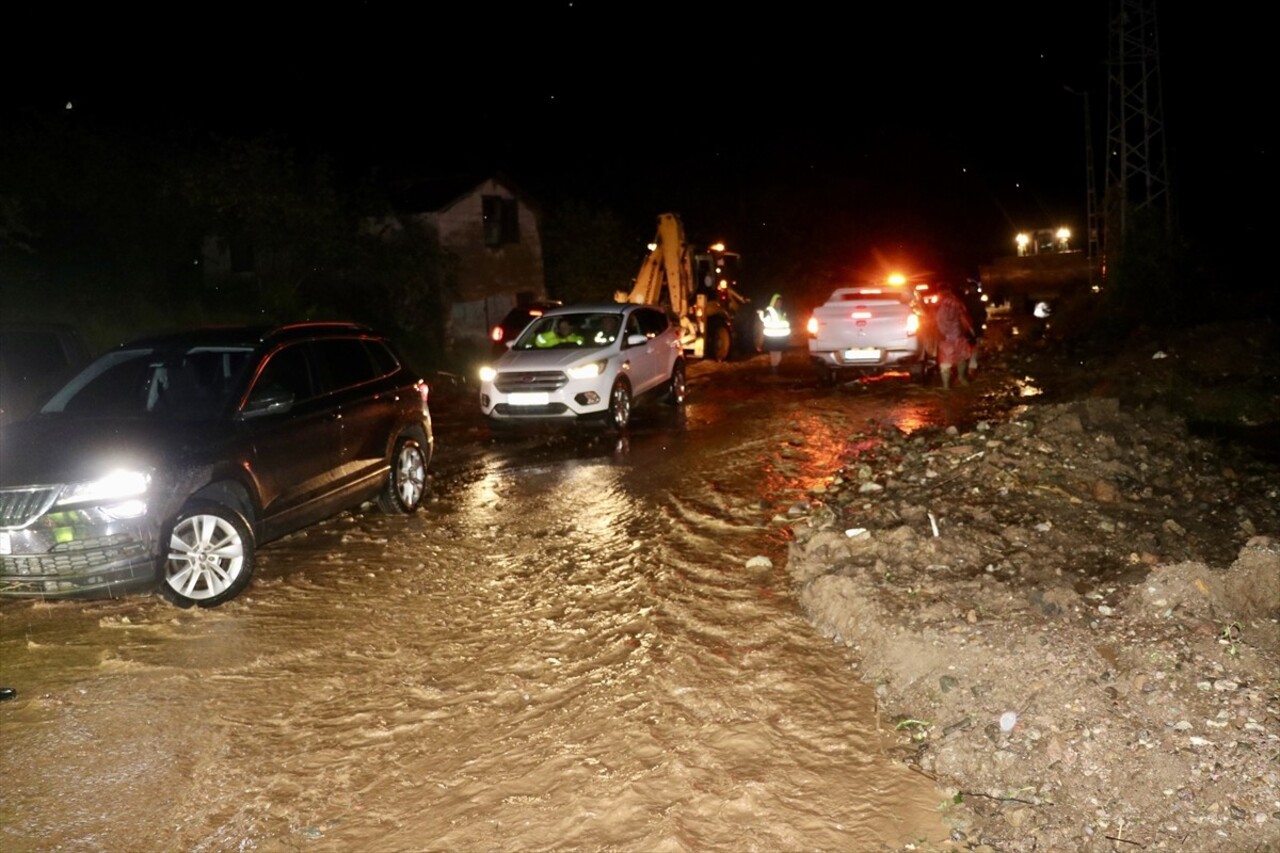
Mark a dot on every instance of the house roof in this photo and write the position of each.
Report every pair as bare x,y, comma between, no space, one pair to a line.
433,195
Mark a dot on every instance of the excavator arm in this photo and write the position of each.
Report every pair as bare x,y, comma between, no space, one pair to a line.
666,275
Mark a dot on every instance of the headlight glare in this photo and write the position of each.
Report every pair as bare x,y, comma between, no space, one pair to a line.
116,486
587,371
488,374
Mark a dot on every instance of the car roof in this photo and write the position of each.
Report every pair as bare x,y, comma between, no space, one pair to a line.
542,305
251,335
527,311
596,307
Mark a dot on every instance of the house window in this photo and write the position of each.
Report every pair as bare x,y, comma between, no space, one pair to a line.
501,223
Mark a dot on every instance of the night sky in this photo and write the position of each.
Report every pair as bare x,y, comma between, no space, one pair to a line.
922,125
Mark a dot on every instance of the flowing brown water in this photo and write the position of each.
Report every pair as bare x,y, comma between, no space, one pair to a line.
572,647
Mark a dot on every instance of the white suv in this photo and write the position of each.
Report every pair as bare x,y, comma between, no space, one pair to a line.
586,361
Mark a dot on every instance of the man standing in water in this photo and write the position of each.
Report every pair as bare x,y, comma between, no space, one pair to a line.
955,336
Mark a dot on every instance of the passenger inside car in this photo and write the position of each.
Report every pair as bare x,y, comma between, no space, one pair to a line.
608,330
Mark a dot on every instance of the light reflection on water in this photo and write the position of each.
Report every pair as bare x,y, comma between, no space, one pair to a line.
1027,387
570,648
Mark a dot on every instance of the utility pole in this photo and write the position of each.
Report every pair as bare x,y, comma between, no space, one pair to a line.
1093,230
1137,161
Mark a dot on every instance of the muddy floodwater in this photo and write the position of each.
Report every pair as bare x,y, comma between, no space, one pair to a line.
580,643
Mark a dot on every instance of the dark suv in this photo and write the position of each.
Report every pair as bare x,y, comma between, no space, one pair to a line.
166,461
515,322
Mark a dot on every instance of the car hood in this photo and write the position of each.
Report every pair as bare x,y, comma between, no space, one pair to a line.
550,359
58,449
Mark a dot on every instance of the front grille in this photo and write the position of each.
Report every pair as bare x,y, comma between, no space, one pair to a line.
20,507
530,380
552,410
78,557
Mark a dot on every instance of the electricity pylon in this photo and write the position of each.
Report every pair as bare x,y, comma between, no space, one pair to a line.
1137,172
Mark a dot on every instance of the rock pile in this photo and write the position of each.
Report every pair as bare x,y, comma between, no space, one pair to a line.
1072,619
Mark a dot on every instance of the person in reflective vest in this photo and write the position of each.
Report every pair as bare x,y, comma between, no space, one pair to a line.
777,330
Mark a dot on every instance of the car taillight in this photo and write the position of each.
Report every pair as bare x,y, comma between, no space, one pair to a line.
424,392
913,323
496,334
812,326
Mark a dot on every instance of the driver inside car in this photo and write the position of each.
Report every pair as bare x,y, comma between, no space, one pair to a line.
561,333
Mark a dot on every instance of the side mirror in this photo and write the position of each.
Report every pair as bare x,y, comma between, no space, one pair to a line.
636,339
268,401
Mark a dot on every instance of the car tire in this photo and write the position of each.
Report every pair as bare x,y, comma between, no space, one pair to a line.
209,556
752,341
407,480
719,343
619,413
915,370
826,376
676,386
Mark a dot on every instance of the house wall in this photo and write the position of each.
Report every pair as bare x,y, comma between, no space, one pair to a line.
490,280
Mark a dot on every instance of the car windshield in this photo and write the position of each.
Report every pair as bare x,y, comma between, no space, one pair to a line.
586,330
184,383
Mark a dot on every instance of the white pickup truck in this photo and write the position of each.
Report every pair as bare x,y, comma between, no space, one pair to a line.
868,329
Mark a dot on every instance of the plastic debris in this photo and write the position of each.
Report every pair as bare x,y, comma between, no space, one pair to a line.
1008,720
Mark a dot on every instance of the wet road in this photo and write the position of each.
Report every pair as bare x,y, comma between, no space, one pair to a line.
577,644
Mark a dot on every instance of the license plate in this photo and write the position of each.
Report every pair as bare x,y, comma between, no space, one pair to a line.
6,544
862,354
529,398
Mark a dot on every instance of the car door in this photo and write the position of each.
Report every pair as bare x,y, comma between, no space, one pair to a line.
655,366
637,357
356,373
294,433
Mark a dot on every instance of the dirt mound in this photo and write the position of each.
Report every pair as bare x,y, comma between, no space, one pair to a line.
1072,617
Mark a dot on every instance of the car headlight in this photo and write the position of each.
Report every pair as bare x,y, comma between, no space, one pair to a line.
116,486
488,374
587,371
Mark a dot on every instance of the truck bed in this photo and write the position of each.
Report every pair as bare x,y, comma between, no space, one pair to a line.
866,330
